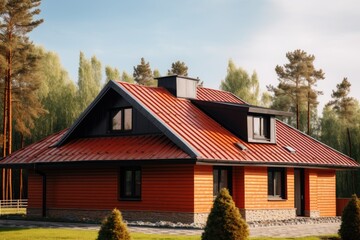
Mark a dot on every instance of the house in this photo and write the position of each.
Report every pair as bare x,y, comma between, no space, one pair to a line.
163,153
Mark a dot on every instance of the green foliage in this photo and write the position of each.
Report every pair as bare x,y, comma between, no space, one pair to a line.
297,80
143,74
178,68
225,221
112,73
56,91
350,220
113,228
89,81
240,83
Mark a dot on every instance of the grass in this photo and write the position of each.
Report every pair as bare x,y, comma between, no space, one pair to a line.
74,234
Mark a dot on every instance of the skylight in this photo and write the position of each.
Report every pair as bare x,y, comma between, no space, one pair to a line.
290,149
242,147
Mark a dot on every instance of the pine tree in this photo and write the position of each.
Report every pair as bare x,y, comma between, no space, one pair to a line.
350,220
16,21
113,228
178,68
143,74
225,221
343,105
297,80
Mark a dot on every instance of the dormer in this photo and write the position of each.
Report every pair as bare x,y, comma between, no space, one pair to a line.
250,123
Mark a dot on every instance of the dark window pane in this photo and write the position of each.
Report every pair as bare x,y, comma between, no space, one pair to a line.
223,179
270,183
128,183
277,183
138,183
216,182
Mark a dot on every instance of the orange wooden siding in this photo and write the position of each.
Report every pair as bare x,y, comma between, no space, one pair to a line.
203,185
320,191
256,189
327,193
164,188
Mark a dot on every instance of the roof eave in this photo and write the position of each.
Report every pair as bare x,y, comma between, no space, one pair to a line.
273,164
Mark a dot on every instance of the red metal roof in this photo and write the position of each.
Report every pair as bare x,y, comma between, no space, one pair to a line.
150,147
208,94
214,142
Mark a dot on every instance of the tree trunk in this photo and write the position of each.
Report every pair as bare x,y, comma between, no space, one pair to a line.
308,115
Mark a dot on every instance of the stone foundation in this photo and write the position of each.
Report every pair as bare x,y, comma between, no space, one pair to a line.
267,214
312,214
131,216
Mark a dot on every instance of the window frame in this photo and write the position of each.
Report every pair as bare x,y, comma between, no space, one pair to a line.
229,179
114,112
122,184
283,179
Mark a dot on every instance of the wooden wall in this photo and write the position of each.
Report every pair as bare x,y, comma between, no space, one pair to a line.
320,191
256,190
203,185
164,188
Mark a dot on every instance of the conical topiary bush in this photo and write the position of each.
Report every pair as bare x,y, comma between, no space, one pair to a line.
350,220
113,228
225,221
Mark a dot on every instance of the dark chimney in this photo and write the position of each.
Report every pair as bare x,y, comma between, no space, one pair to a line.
179,86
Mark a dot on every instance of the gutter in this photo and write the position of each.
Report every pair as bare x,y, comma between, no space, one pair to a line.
43,175
273,164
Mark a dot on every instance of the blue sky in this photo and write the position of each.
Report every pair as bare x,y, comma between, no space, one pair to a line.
205,34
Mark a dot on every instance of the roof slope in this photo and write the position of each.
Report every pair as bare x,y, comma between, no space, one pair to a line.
150,147
215,143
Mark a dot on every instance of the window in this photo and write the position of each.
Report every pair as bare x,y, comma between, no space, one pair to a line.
260,127
221,179
276,183
130,183
121,119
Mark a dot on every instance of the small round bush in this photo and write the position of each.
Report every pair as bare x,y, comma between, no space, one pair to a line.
350,220
225,221
113,228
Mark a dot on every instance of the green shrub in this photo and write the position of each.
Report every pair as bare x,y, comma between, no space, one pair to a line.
225,221
113,228
350,220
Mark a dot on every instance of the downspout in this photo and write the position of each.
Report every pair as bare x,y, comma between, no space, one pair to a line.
43,192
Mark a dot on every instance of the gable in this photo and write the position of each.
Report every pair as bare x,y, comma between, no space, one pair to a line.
97,123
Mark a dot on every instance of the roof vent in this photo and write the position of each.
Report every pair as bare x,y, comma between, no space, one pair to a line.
179,86
290,149
242,147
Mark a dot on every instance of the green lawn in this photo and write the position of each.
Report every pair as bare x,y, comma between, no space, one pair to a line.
10,211
64,234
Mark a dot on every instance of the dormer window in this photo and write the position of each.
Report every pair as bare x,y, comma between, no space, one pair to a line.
261,129
121,119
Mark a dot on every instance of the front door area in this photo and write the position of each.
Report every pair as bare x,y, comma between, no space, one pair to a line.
299,191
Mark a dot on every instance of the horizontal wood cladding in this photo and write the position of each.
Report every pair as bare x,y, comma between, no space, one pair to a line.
34,190
164,188
256,189
203,188
320,191
327,192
